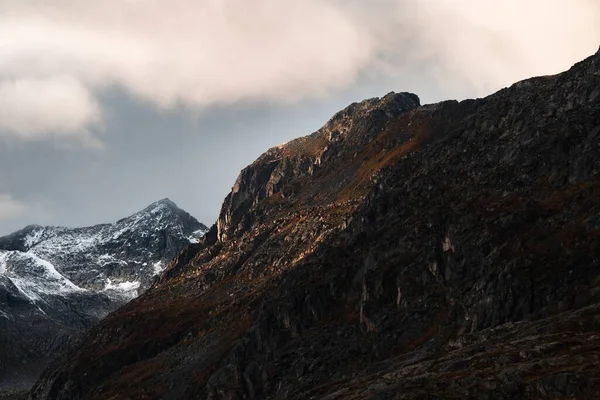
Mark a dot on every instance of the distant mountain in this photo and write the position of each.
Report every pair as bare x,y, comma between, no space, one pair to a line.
55,282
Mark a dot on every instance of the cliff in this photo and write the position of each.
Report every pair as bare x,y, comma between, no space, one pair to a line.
402,251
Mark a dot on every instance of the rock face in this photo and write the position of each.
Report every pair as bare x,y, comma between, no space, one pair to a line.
402,251
57,282
302,158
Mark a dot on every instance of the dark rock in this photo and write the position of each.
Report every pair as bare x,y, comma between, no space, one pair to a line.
442,251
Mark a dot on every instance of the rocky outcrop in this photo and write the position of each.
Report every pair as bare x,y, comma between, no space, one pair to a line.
440,251
346,133
57,282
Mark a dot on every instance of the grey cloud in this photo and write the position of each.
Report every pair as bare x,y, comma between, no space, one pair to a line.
59,106
176,123
10,208
201,53
473,47
181,52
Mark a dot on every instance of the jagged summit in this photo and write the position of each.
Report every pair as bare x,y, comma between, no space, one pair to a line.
332,155
160,229
163,205
392,104
336,128
166,202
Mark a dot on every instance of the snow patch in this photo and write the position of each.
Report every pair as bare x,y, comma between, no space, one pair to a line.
158,267
63,284
127,289
3,257
106,259
33,237
33,276
126,286
27,289
65,241
196,236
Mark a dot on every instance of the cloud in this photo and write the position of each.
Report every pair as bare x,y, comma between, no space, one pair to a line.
176,53
10,208
477,46
57,55
32,108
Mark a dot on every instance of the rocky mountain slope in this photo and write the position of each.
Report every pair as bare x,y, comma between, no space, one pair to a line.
402,251
56,282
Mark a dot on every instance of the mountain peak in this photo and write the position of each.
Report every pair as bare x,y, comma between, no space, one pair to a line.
442,239
392,104
165,207
166,202
329,155
68,278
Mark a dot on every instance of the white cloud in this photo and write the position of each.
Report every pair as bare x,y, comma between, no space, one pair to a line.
55,55
477,46
33,107
10,208
181,52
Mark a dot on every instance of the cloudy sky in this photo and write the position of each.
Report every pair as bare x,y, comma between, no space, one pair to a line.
107,106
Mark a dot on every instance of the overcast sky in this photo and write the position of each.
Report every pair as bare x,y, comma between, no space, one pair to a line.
107,106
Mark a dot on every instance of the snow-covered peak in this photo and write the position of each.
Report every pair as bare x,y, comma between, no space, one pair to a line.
106,257
55,282
156,209
166,202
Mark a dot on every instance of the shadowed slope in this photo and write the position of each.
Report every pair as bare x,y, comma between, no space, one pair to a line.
400,252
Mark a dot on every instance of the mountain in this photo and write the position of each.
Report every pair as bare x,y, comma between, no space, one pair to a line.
402,251
56,282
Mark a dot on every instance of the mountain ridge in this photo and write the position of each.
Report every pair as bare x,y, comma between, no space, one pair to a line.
446,250
55,282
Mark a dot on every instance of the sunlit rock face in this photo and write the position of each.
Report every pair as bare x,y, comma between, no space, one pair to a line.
403,251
